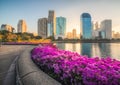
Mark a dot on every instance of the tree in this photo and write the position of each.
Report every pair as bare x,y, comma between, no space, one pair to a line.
1,37
11,37
4,32
60,38
0,40
51,37
24,36
38,37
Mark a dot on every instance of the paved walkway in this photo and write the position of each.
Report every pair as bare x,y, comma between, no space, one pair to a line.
5,49
7,55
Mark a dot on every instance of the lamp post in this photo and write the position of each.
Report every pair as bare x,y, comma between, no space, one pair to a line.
0,42
1,38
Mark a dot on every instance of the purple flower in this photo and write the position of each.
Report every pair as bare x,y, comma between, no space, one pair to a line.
73,68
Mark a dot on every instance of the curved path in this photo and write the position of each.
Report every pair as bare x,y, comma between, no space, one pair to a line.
8,53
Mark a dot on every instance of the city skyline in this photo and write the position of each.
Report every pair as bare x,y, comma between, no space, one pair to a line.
31,11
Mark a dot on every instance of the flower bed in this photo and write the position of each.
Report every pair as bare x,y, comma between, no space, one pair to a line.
70,68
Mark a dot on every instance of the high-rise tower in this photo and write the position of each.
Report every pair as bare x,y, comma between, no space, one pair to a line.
51,24
106,29
60,27
42,27
86,26
74,33
22,27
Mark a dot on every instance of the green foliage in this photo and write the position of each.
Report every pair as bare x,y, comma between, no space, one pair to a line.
51,37
38,37
1,37
60,38
7,36
3,32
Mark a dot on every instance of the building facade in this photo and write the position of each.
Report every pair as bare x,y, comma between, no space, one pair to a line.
96,25
74,34
7,27
51,30
69,35
22,27
42,27
96,29
60,27
106,29
115,35
86,26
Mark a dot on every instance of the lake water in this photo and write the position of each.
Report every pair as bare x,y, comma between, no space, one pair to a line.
93,49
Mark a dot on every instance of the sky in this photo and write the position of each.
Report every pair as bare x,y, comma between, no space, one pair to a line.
11,11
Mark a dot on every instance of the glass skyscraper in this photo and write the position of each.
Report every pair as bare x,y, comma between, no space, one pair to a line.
49,30
106,29
51,23
60,27
86,26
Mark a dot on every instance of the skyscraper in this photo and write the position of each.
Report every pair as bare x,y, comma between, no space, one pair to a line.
86,26
96,30
22,27
74,33
69,35
51,24
60,27
106,29
42,27
96,25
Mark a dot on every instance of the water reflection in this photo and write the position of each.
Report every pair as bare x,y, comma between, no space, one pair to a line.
93,49
104,49
96,50
86,49
74,46
60,45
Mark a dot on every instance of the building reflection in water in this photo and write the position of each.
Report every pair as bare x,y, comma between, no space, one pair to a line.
86,49
60,45
115,50
75,47
93,49
69,47
105,49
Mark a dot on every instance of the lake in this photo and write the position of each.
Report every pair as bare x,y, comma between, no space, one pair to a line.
93,49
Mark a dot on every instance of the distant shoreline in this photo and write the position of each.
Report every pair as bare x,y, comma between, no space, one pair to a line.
86,41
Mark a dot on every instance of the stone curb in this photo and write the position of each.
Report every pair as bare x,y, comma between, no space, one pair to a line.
10,77
29,74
